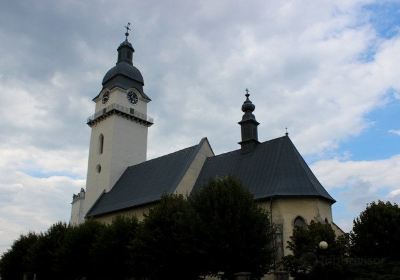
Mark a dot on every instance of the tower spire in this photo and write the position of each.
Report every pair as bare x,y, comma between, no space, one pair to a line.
248,126
125,50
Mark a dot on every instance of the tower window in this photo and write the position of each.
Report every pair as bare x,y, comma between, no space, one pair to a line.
299,222
101,143
98,168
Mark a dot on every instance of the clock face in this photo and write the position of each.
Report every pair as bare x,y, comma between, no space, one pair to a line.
132,97
105,98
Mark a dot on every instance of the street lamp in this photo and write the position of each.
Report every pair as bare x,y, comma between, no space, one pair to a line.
323,245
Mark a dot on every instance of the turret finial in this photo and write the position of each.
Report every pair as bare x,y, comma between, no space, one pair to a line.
286,133
127,30
248,106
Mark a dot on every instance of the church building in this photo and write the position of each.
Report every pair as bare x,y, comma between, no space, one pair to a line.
121,181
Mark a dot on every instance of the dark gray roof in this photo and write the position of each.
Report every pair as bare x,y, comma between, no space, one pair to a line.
126,43
146,182
124,74
124,69
273,169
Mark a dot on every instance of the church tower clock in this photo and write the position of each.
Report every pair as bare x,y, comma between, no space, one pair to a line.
118,130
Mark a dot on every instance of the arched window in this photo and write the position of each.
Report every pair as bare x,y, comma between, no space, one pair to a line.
299,222
101,143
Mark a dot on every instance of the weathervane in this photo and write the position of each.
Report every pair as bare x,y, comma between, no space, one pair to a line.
127,30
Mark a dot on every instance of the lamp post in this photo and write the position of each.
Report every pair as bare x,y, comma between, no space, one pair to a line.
323,245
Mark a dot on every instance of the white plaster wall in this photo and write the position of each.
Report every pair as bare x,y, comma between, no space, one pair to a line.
125,144
337,229
128,146
285,210
186,184
77,209
96,182
75,212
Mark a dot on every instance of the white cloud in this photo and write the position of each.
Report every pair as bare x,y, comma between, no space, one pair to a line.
357,183
307,77
34,193
395,132
301,64
29,203
33,159
395,195
23,109
376,174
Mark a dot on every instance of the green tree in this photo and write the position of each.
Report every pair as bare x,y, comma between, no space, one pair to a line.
309,261
110,252
166,244
375,242
14,263
376,232
74,256
220,228
43,255
234,234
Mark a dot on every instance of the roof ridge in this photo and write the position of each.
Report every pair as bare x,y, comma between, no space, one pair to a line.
275,167
309,173
261,143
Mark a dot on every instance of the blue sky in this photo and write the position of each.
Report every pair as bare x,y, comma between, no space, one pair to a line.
377,141
384,17
327,70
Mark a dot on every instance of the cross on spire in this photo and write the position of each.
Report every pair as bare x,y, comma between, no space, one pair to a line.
127,31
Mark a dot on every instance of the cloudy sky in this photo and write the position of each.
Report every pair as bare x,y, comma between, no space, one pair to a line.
327,70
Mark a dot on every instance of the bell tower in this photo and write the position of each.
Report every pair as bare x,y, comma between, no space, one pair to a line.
118,129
